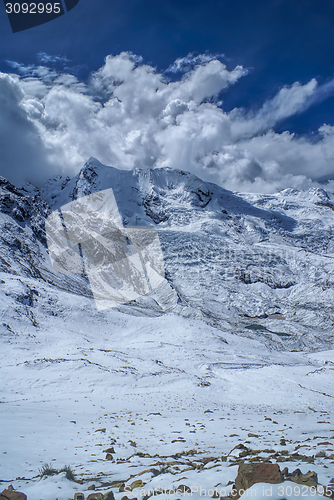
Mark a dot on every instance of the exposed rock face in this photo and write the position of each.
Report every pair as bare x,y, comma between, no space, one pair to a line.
24,207
12,495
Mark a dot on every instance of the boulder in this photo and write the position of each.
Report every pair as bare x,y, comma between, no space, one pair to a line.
109,450
108,496
136,484
12,495
95,496
249,474
183,488
79,496
252,473
329,491
308,479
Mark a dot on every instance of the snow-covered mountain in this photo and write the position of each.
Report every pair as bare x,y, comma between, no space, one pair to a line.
261,266
244,319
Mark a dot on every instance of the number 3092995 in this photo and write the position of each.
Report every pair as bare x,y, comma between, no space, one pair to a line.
33,8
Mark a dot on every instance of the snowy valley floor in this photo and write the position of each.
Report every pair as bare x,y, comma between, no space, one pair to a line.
168,396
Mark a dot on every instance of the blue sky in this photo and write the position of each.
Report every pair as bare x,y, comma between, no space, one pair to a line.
279,43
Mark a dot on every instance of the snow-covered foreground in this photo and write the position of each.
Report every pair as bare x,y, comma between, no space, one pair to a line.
175,387
156,387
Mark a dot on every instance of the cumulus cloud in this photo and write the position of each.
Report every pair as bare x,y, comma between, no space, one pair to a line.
128,115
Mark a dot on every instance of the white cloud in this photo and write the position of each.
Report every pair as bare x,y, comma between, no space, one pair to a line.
24,154
47,58
191,61
289,101
130,116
